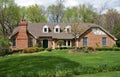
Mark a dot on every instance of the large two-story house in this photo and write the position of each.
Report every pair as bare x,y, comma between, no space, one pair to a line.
46,35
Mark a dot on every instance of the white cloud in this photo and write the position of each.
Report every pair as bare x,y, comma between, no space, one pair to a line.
71,3
25,2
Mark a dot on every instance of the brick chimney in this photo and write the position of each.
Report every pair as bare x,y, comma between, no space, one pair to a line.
22,37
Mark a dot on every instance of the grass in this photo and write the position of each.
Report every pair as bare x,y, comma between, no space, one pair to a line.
56,63
108,74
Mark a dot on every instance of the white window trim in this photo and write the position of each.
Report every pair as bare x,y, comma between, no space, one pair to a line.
46,28
66,43
67,27
57,27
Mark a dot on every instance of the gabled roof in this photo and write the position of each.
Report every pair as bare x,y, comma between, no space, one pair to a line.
101,29
36,29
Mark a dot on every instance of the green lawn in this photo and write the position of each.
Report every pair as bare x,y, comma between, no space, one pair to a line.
108,74
59,63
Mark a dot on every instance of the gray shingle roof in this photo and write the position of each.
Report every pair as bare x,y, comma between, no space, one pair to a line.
36,29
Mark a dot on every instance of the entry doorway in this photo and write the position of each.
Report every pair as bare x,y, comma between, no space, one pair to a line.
45,43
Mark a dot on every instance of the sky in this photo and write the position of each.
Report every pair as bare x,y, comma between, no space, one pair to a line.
98,4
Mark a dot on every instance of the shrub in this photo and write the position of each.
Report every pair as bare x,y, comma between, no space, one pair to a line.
118,43
116,49
60,43
48,49
57,48
91,49
41,49
108,49
30,50
5,51
18,51
84,49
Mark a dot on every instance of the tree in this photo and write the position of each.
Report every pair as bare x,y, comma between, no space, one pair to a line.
100,11
76,30
36,14
83,13
116,31
9,16
60,43
56,12
86,13
112,17
68,15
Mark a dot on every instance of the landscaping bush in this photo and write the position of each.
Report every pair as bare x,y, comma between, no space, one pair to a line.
118,42
108,49
18,51
48,49
30,50
116,49
84,49
4,46
91,49
70,47
5,51
41,49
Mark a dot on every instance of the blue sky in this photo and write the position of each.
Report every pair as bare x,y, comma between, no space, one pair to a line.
69,3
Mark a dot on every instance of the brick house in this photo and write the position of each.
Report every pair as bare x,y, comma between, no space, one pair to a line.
46,35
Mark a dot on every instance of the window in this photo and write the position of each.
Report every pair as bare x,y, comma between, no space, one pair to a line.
30,42
64,42
14,42
68,42
85,41
67,28
57,29
45,29
104,41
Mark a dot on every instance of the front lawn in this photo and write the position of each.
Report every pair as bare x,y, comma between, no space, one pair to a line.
58,63
108,74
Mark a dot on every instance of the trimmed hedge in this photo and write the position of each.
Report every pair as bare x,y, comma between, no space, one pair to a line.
65,48
48,49
108,49
33,49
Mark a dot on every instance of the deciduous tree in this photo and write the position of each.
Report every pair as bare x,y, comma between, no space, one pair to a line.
36,13
9,16
56,12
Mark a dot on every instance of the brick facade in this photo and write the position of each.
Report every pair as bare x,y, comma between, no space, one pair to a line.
96,40
23,34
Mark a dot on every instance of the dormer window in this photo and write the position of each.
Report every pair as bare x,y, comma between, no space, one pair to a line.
45,29
68,29
57,29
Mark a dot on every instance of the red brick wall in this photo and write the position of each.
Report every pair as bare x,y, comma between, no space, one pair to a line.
93,39
21,37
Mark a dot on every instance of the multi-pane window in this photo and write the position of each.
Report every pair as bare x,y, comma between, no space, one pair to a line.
85,42
104,42
30,42
14,42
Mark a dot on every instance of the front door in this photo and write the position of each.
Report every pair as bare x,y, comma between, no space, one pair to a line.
45,43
